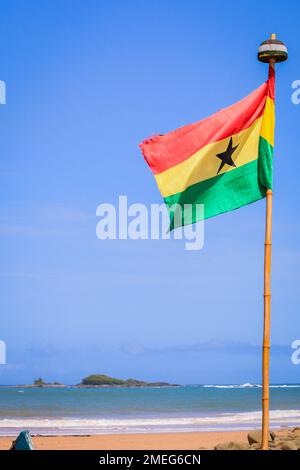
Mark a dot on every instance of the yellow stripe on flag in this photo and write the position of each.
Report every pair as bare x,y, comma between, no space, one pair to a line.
204,164
268,123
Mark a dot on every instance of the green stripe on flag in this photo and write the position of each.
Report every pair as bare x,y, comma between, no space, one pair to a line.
265,163
219,194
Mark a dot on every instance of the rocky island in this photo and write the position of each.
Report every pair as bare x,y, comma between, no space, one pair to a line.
95,381
101,380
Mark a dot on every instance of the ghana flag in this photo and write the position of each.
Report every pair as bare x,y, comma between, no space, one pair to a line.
223,161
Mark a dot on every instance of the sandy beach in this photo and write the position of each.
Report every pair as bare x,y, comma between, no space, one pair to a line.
163,441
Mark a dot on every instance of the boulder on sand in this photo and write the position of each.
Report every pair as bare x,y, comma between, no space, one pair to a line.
254,437
296,433
297,442
232,445
286,445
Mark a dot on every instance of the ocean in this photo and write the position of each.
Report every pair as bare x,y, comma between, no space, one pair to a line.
144,410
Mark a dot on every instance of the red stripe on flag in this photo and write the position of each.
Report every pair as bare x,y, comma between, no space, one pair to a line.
271,82
165,151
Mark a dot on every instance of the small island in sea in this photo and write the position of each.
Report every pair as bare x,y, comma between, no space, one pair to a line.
97,381
101,380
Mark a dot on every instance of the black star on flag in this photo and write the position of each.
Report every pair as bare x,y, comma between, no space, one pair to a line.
226,156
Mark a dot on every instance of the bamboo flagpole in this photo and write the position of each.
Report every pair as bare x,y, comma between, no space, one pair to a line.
267,323
270,51
267,314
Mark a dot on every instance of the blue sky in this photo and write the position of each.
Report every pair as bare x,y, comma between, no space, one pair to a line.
86,82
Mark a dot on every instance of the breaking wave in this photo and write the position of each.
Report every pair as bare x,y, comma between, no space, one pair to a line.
80,426
249,385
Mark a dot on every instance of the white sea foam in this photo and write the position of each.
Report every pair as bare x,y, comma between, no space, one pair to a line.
246,385
228,421
249,385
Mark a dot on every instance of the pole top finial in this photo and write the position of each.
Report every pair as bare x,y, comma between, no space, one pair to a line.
272,50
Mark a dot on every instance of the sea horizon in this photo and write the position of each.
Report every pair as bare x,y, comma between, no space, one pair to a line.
215,384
